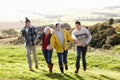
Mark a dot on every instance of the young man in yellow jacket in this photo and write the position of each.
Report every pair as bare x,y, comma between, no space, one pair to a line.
59,41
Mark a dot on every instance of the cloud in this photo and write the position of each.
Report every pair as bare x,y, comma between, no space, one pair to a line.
106,14
48,16
112,7
55,16
99,18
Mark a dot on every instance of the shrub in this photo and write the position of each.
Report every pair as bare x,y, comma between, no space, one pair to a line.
100,35
113,40
106,46
8,32
0,37
110,21
63,25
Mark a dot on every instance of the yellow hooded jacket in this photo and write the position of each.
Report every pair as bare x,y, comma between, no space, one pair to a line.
55,42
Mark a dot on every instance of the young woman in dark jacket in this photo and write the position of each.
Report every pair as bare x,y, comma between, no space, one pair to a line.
47,51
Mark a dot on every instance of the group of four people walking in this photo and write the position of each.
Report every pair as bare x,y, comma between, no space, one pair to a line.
57,39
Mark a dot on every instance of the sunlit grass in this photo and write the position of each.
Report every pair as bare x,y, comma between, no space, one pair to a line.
13,66
118,32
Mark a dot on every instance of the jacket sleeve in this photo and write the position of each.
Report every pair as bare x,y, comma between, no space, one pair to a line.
52,41
22,32
36,33
73,35
89,37
69,38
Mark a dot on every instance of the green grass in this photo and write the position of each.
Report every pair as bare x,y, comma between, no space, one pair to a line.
101,66
118,32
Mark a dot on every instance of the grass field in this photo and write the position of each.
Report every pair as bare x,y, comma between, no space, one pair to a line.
118,32
102,65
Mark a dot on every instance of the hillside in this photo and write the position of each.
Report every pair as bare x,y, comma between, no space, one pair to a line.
8,25
100,66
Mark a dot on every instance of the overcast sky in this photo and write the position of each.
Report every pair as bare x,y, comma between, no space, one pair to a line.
14,10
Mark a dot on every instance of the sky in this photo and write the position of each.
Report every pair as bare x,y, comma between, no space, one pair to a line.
15,10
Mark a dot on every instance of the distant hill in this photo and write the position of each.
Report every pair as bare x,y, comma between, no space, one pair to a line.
8,25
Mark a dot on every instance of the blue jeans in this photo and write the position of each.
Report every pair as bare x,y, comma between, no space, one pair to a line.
81,51
62,57
48,56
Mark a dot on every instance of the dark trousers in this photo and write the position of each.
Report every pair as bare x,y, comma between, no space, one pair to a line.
81,51
48,56
62,58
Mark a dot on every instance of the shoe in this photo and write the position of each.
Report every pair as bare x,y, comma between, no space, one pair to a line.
62,69
66,67
84,68
50,66
30,69
36,66
76,71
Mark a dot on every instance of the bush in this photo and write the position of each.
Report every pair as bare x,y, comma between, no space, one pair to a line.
0,37
8,32
113,40
106,46
66,26
111,21
63,25
100,35
102,27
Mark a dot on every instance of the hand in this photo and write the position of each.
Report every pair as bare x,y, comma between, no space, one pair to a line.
49,47
84,45
75,41
35,41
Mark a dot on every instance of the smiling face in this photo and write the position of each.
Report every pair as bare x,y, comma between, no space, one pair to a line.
77,26
27,24
47,31
58,27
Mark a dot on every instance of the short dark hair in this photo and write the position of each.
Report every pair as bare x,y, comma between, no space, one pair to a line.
78,22
27,20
